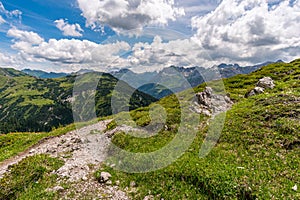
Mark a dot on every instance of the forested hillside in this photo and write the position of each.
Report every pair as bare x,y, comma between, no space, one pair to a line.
30,104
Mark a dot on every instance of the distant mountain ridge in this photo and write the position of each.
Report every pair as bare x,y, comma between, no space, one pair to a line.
43,74
167,81
173,79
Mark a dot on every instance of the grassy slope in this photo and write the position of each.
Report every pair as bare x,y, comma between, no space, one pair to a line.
29,104
256,156
30,179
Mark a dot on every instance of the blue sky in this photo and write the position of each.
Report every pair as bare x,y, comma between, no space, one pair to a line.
74,34
39,16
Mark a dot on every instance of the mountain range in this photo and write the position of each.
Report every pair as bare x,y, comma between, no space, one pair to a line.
159,84
43,74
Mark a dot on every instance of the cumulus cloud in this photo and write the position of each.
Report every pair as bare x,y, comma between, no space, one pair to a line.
69,29
127,15
33,48
4,59
71,53
8,60
251,31
25,36
158,54
244,32
9,14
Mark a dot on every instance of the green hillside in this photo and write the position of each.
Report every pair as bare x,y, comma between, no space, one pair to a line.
256,157
29,104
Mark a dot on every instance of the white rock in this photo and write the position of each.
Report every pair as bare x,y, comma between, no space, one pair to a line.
149,197
266,83
55,189
132,184
32,151
259,90
295,188
108,182
104,177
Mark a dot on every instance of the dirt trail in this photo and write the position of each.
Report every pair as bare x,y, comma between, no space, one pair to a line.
80,149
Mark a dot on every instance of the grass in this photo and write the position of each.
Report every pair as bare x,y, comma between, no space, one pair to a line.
30,178
14,143
37,102
256,157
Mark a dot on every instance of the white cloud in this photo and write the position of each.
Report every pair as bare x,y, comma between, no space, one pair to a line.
69,29
246,32
8,60
4,59
72,54
158,55
25,36
251,31
9,14
33,48
128,16
2,21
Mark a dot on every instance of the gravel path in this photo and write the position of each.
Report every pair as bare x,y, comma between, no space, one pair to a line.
80,149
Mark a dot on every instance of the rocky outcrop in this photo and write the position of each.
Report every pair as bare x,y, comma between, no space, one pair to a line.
261,86
266,83
255,91
210,103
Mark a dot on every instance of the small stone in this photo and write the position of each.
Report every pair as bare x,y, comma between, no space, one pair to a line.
255,91
117,182
77,140
149,197
58,189
104,177
259,90
55,189
295,188
112,165
109,182
32,151
132,184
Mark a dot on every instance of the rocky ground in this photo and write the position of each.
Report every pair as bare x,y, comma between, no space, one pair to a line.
83,151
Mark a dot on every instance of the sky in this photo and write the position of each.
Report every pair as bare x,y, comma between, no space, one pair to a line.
146,35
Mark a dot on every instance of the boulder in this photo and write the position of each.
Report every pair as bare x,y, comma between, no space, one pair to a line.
266,83
255,91
209,103
261,85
